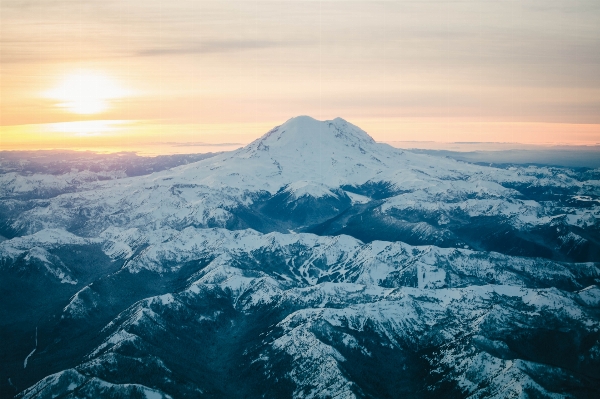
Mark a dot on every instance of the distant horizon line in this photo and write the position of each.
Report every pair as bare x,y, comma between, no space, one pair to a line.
108,135
141,152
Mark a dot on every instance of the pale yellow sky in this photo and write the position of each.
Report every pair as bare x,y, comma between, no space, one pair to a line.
130,74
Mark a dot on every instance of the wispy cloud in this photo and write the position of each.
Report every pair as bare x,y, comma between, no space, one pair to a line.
220,46
196,144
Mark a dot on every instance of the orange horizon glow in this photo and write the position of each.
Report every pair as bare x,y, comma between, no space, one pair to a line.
155,138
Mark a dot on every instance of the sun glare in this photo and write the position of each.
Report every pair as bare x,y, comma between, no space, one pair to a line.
86,92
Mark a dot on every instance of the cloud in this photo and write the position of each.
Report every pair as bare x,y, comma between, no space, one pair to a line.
219,46
197,144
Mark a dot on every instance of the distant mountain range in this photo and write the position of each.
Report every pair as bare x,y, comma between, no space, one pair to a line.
569,156
311,263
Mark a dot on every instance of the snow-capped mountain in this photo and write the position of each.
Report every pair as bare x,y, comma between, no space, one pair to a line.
312,263
410,197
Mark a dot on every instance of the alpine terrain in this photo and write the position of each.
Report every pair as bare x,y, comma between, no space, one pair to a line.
311,263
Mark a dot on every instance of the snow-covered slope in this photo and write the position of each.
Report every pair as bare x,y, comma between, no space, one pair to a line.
312,263
304,315
261,316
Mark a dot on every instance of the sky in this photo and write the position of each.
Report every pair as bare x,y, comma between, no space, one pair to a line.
192,75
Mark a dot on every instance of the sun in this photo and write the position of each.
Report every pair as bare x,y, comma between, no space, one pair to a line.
86,92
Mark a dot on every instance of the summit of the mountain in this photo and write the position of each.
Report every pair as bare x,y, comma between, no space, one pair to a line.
307,132
331,152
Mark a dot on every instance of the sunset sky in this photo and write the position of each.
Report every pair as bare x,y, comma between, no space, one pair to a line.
193,75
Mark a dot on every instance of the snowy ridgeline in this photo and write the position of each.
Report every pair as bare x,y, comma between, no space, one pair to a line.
311,263
323,303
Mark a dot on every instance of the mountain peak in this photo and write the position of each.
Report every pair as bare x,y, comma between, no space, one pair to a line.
304,148
305,131
330,152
